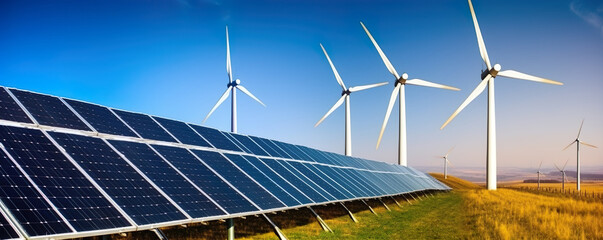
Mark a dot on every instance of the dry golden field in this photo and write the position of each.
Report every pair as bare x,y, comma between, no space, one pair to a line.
588,187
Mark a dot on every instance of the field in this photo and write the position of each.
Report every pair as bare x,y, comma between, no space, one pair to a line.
588,187
467,212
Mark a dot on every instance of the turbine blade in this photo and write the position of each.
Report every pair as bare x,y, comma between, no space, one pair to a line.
424,83
364,87
540,165
337,104
479,89
523,76
244,90
388,64
590,145
228,66
222,98
555,166
334,70
449,151
565,164
449,163
390,106
580,130
569,145
480,39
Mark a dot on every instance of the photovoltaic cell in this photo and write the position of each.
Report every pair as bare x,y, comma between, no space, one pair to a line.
315,181
10,110
169,180
209,182
267,148
68,189
49,110
249,144
216,138
25,203
137,197
6,230
182,132
263,180
101,118
297,182
144,126
297,194
239,180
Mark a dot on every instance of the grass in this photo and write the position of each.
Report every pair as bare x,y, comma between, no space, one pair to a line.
588,187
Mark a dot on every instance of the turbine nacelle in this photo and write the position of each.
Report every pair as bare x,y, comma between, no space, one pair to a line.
493,71
402,78
234,83
346,92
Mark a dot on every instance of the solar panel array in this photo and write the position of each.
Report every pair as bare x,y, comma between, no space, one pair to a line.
71,169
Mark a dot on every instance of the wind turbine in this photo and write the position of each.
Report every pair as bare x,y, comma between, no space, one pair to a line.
399,86
232,88
488,79
539,172
446,162
578,141
345,95
562,170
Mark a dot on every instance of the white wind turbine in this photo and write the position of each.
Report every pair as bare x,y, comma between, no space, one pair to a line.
446,162
231,87
398,91
562,170
539,172
488,79
578,142
345,95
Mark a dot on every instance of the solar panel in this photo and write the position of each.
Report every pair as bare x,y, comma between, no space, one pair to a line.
239,180
6,230
182,132
26,204
137,197
144,126
293,179
100,118
10,110
263,180
202,176
312,180
249,144
49,110
65,186
216,138
194,202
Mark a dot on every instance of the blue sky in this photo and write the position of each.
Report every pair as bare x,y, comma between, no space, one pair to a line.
167,58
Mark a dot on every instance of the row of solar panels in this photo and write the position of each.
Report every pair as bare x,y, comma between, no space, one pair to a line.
70,168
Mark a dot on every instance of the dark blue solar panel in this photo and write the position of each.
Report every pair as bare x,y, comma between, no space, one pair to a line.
182,132
316,181
316,155
280,151
216,138
101,118
138,198
252,146
293,179
263,180
49,110
236,142
208,181
10,110
291,150
6,230
345,187
69,190
296,193
144,126
354,187
238,179
25,203
354,175
267,148
169,180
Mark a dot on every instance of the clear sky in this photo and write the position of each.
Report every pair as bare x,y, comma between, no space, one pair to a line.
167,58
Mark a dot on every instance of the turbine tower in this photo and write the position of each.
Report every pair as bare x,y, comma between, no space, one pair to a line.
539,172
399,85
488,79
345,96
578,142
562,170
232,88
446,162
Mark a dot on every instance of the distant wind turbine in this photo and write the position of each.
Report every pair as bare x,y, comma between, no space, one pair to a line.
399,86
488,79
578,142
562,170
345,95
446,162
232,87
539,172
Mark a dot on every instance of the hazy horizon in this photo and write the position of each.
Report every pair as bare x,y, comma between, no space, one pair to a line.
168,59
